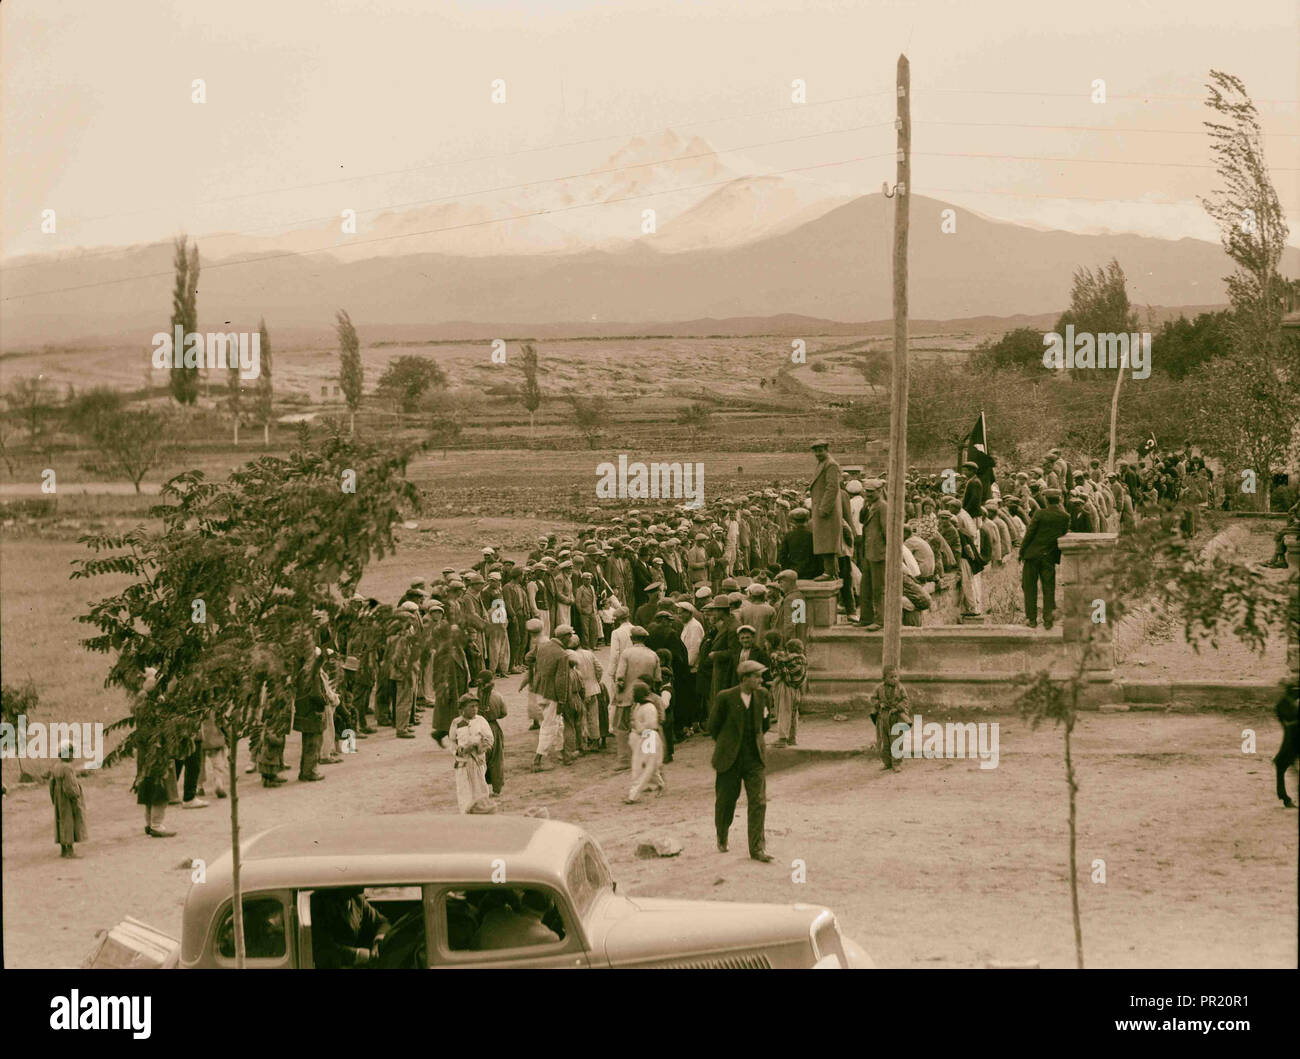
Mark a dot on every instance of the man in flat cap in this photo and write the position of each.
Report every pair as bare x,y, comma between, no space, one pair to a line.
756,611
637,662
584,606
562,584
972,493
551,682
1039,554
791,619
645,613
875,521
827,510
737,722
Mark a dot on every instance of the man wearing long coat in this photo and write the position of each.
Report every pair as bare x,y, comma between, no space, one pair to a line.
827,513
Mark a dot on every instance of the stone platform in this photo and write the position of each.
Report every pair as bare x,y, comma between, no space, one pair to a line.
1005,649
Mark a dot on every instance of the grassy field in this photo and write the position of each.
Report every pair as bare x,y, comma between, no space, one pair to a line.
616,367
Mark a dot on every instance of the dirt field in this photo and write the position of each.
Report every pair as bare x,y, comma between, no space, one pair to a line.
943,864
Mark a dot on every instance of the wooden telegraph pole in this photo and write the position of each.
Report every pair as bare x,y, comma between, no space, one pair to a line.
893,601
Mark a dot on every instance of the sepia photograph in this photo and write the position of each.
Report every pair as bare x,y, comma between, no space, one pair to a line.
624,484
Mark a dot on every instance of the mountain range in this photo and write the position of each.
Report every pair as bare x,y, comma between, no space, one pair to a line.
741,246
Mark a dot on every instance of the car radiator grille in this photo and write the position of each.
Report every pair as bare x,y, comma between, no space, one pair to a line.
755,961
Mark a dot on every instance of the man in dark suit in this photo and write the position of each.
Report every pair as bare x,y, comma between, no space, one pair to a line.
737,722
875,516
309,714
1039,555
796,550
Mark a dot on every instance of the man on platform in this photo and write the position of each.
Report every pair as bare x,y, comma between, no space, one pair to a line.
827,513
1039,554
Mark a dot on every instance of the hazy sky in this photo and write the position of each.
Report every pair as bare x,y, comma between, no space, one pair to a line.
318,96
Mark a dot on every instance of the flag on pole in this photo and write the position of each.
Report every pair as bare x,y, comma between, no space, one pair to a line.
977,451
1148,446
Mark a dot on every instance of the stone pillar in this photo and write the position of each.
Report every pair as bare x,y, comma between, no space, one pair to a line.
823,602
1083,579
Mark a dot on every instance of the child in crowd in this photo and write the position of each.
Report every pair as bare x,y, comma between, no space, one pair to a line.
667,718
646,740
472,738
890,708
69,803
789,676
492,708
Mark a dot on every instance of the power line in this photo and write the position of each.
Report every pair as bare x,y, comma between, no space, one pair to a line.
504,187
1082,128
448,228
1143,98
1090,161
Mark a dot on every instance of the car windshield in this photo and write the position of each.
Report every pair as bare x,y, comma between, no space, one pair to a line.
588,875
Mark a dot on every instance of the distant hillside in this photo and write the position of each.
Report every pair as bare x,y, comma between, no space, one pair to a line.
834,268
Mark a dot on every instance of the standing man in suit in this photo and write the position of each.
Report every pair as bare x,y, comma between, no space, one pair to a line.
636,662
875,517
550,681
792,614
827,515
737,722
1039,555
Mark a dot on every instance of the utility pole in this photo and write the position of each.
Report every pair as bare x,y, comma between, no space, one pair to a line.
894,486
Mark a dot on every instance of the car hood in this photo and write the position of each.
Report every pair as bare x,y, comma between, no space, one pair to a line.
664,931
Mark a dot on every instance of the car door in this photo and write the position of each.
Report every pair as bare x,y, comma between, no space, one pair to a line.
473,926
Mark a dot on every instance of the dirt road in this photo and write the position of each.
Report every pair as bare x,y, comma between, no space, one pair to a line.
942,864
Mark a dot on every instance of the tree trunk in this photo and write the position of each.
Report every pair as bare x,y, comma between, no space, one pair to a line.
352,424
531,423
266,435
1074,839
237,903
236,431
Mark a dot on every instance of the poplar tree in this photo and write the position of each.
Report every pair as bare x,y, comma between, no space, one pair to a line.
351,377
183,381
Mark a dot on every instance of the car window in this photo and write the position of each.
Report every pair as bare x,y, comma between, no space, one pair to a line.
587,876
264,933
374,926
480,919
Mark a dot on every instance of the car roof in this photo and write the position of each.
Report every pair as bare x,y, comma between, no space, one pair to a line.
422,834
409,849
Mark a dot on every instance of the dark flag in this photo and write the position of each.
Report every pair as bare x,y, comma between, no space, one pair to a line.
976,447
1148,446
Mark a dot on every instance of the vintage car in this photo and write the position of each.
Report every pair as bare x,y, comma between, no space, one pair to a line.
465,891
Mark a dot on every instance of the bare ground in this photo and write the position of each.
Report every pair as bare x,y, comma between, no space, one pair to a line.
942,864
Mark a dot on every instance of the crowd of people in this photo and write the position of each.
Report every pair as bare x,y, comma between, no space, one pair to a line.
689,603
